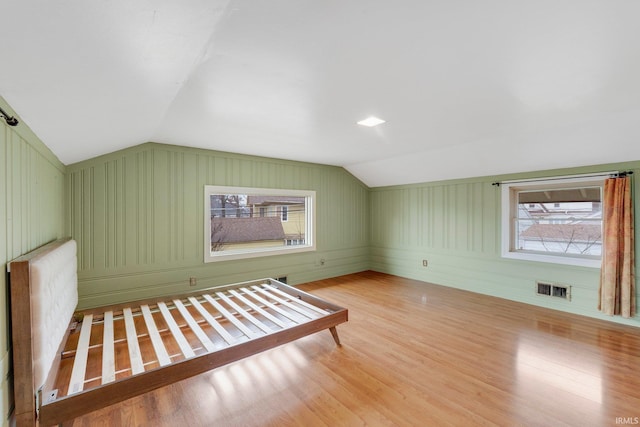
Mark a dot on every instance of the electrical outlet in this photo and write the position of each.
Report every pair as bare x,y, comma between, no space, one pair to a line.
425,263
192,281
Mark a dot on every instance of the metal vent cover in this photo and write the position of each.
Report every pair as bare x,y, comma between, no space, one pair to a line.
556,290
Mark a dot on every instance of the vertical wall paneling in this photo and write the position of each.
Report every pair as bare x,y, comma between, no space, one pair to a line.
99,209
144,229
427,218
459,227
161,210
475,219
437,208
148,192
130,223
31,211
192,197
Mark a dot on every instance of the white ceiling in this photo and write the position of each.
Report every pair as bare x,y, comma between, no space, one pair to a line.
467,88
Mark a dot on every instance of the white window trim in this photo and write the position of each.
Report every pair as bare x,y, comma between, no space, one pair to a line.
310,218
508,223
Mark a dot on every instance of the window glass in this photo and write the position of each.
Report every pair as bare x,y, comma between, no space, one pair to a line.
248,222
554,221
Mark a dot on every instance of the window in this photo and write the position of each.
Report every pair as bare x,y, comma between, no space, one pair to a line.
557,221
250,222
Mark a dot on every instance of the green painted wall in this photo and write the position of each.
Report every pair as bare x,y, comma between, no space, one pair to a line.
31,210
455,226
137,216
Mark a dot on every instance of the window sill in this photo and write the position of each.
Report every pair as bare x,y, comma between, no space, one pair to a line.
554,259
233,255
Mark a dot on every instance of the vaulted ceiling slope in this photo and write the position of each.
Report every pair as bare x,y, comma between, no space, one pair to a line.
467,88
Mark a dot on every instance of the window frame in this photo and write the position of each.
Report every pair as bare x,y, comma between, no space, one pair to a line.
509,211
310,223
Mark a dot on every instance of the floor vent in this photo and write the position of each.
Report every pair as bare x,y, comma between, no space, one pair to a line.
554,290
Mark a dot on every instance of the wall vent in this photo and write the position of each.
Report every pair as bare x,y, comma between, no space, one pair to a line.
282,279
556,290
543,288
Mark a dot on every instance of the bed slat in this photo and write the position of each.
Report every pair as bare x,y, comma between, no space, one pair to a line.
257,308
295,317
108,358
132,343
185,347
230,317
283,302
213,322
297,300
244,313
156,340
76,383
204,339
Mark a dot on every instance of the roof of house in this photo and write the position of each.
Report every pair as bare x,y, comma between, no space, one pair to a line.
580,232
235,230
274,200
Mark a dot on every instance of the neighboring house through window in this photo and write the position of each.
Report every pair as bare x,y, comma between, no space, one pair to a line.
555,220
250,222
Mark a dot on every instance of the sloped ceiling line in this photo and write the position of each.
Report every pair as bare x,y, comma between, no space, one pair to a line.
466,90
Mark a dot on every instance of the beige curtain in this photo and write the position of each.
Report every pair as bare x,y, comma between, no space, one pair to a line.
617,275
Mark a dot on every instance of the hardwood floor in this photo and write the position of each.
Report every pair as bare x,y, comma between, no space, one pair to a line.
414,354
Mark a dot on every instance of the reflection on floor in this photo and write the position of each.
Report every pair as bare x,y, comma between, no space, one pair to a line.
414,354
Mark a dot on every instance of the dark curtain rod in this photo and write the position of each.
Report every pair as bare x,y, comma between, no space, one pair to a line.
11,121
610,175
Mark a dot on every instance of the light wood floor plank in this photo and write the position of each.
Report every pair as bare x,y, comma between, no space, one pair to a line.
414,354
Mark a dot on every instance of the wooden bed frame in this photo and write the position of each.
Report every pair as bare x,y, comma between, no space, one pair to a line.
117,352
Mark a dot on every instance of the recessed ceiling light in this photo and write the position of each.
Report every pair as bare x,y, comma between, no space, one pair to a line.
371,121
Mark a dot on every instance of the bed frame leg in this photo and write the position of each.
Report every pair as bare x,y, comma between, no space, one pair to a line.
334,333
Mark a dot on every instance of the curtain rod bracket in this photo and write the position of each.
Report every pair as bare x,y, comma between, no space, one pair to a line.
11,121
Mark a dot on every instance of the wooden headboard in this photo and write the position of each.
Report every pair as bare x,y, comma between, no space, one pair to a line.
44,295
